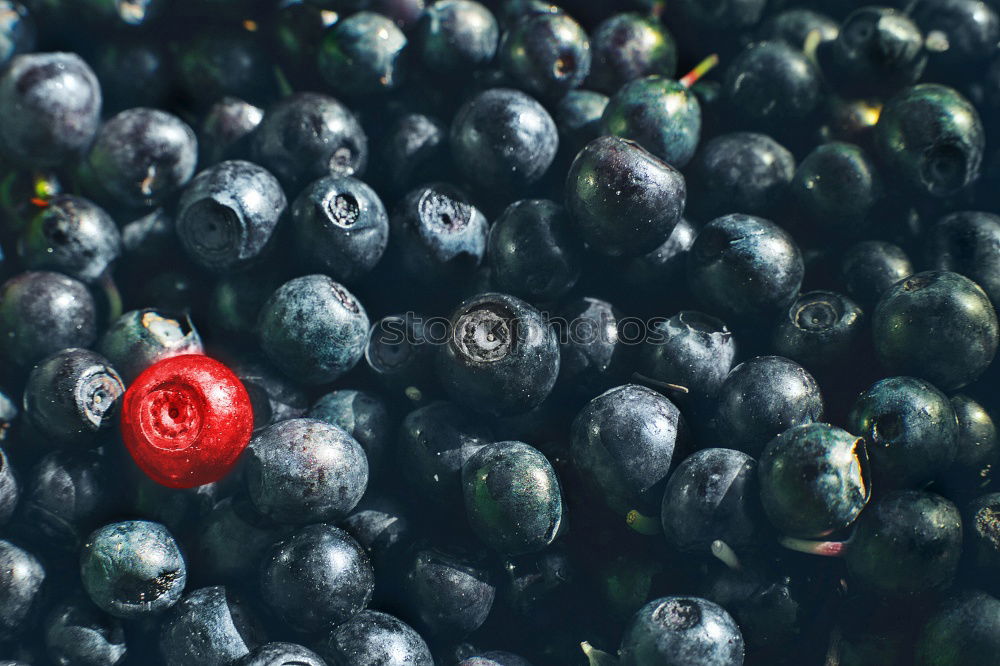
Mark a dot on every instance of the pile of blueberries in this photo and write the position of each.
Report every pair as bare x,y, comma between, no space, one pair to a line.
617,332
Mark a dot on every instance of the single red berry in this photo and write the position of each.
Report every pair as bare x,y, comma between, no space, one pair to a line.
185,420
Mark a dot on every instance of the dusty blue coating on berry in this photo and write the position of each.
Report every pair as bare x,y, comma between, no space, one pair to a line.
414,151
502,138
547,54
372,638
21,588
963,631
533,251
714,494
771,83
308,136
936,325
141,156
73,236
501,357
9,489
910,429
456,36
42,312
317,578
226,129
661,115
313,329
761,398
870,268
340,227
361,414
968,242
836,185
512,497
628,46
281,654
676,631
578,117
51,105
363,54
690,349
304,471
814,479
77,633
451,593
623,442
209,626
624,200
931,138
820,329
140,338
907,544
132,569
744,266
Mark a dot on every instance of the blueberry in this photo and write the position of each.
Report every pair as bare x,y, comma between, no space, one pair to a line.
226,130
512,497
363,54
961,34
451,593
533,251
761,398
931,138
977,450
770,83
313,329
722,14
304,471
664,264
503,139
141,156
273,397
962,630
661,115
43,312
73,236
18,31
591,356
281,654
230,522
414,150
212,64
713,495
456,36
308,136
140,338
744,266
622,444
10,489
821,329
132,73
228,213
401,356
494,658
539,586
323,564
794,25
690,350
501,357
681,630
132,569
629,46
209,626
936,325
837,187
982,537
870,268
72,395
578,117
52,106
624,200
547,54
372,638
77,633
236,299
968,242
360,414
21,589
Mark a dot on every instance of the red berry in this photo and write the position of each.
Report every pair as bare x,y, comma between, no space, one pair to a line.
185,420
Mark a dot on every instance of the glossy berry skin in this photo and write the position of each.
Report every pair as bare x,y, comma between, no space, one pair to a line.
185,420
877,52
547,54
454,37
761,398
363,54
672,631
622,444
313,329
437,234
141,156
936,325
820,329
512,498
340,227
910,428
744,266
740,172
452,594
907,544
363,415
226,129
502,138
624,200
771,83
21,589
70,235
629,46
209,626
52,106
281,654
578,117
76,632
10,489
661,115
968,243
931,138
140,338
304,471
971,31
533,251
713,494
814,479
977,450
372,638
501,357
72,395
794,24
962,630
321,563
132,569
690,349
42,312
837,185
591,357
664,264
870,268
414,151
308,136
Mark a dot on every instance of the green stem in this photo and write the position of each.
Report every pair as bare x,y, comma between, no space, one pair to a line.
597,657
824,548
642,524
726,555
700,70
677,388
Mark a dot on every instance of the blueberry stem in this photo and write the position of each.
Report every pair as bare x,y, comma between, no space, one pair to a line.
642,524
726,555
597,657
825,548
664,385
700,70
812,42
